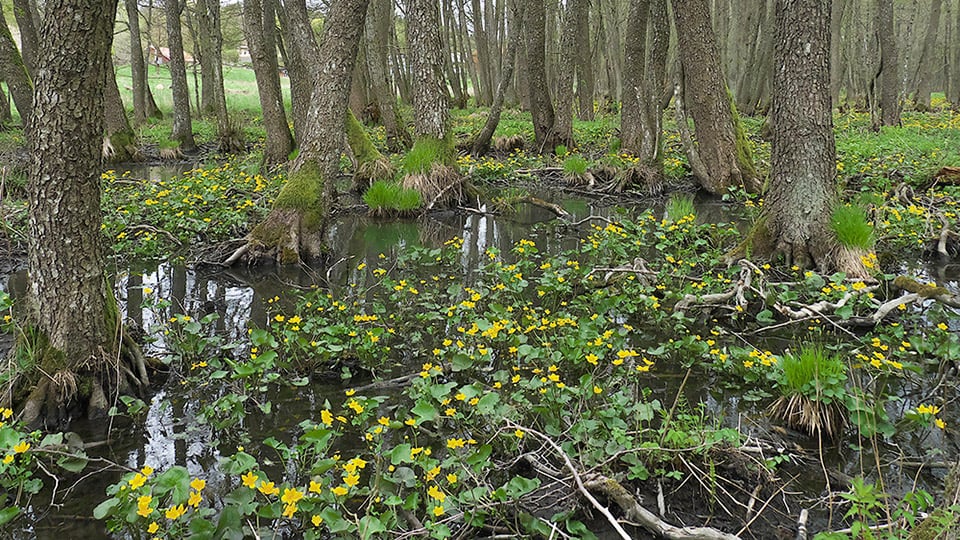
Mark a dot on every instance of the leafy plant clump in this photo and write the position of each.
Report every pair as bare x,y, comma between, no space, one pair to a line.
679,206
853,229
425,153
812,386
575,165
388,198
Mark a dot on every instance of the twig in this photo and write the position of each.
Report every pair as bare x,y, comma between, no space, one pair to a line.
576,477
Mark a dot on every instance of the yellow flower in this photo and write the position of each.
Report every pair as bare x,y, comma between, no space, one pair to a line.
291,496
940,423
6,413
249,479
928,409
597,389
355,405
351,479
146,470
518,433
452,478
154,527
194,499
455,443
436,493
175,512
21,447
267,488
438,511
289,510
316,520
315,487
8,459
942,326
198,484
339,491
137,481
143,505
326,417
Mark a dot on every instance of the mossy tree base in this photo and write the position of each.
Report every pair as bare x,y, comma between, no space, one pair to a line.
371,165
58,389
293,231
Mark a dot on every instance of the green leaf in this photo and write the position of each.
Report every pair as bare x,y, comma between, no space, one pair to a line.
425,411
102,510
175,480
369,526
518,486
765,317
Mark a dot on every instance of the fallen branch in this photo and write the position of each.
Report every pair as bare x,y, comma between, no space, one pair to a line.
555,208
638,514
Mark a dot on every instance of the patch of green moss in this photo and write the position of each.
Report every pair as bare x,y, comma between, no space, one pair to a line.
914,286
302,190
360,143
744,147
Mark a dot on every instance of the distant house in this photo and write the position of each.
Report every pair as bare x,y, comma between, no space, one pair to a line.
160,56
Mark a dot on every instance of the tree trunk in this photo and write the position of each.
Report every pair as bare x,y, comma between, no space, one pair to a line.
258,28
635,92
485,92
138,70
293,231
541,104
5,114
25,12
71,303
378,23
836,73
14,72
182,125
208,15
301,44
586,81
796,223
430,108
563,123
481,143
721,145
118,142
928,66
889,72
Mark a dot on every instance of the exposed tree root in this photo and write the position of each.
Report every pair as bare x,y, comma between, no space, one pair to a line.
810,416
442,186
286,236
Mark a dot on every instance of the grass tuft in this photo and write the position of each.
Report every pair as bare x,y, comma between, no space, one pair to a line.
679,206
388,198
850,224
575,165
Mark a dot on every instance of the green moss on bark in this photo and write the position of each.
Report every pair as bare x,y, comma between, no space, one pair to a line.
303,189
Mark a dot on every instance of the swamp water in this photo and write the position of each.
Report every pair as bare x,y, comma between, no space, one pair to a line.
167,433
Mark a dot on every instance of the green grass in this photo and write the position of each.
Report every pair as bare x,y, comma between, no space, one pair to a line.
385,197
679,206
574,164
850,224
425,153
813,372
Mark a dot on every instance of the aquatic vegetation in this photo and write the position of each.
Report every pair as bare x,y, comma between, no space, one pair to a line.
850,224
389,198
812,384
679,206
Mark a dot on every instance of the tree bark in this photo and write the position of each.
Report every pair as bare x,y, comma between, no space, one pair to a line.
301,44
14,72
563,124
67,287
889,64
293,231
182,125
798,207
118,143
430,107
258,28
138,69
485,92
586,80
215,100
541,104
928,64
721,145
377,28
836,72
25,12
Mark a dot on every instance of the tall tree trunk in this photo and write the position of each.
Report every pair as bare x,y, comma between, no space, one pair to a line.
586,81
955,98
430,108
928,65
563,123
378,23
182,125
204,12
485,92
541,104
208,15
481,143
294,228
118,142
25,12
889,64
138,69
301,45
258,28
721,145
6,114
836,72
796,223
68,293
635,92
14,72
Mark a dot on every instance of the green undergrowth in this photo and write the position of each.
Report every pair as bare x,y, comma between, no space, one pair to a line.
389,198
155,219
850,224
489,366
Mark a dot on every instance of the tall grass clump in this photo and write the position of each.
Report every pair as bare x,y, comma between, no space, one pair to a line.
425,153
851,226
679,206
812,385
387,198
